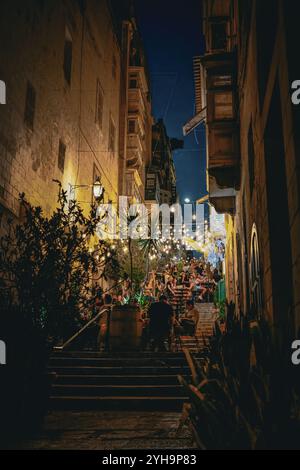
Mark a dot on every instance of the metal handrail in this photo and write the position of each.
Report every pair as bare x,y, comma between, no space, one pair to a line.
60,348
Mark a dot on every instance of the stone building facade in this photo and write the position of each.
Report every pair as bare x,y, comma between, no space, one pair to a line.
161,176
61,65
73,113
139,117
253,152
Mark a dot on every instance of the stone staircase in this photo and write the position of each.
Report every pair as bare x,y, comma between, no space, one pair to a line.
127,381
134,381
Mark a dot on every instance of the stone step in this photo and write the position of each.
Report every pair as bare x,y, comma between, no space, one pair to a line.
116,362
99,391
133,403
88,370
116,379
116,354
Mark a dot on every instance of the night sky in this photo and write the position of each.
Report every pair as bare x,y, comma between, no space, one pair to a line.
171,32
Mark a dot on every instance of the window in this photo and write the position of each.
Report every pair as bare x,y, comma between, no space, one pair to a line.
61,155
151,181
99,105
112,136
68,53
221,81
131,126
133,83
219,35
30,106
251,159
256,287
114,66
223,105
240,279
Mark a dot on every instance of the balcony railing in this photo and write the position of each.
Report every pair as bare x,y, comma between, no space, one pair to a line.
135,101
134,142
134,186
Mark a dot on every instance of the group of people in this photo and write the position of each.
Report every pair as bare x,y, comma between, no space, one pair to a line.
161,320
197,278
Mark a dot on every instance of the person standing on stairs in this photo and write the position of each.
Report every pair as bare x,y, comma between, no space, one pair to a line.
161,318
101,340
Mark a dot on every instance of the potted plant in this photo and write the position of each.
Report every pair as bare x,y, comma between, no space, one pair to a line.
126,317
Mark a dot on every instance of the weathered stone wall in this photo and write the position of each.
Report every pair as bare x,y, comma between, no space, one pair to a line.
34,34
254,207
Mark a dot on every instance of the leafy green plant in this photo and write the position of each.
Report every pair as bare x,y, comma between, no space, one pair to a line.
48,265
142,300
221,306
244,394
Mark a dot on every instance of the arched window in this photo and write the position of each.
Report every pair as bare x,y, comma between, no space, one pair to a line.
256,282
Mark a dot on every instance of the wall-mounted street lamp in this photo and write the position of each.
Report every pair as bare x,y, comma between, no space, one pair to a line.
98,188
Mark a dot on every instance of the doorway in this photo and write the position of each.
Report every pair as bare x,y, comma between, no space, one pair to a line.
278,213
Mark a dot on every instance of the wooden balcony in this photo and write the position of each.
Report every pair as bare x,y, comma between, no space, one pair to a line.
223,200
135,143
223,162
136,101
223,139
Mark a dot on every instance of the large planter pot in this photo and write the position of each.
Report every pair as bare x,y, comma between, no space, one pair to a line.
125,328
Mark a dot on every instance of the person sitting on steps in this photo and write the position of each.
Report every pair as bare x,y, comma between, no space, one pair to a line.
189,323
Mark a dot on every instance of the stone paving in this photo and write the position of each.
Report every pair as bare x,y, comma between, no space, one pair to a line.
110,431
